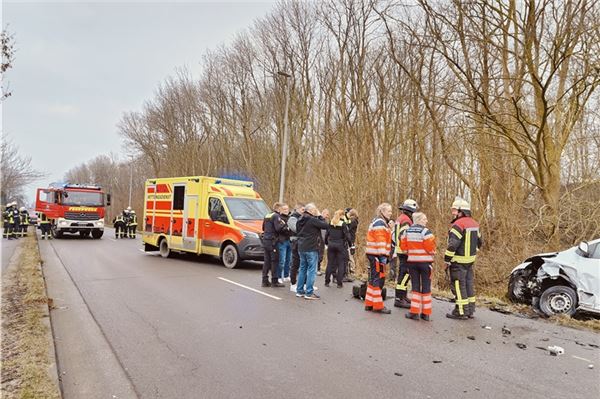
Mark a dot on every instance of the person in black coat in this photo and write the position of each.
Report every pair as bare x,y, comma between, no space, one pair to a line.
309,230
338,240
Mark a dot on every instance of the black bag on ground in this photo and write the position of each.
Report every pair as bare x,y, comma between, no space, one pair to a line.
360,291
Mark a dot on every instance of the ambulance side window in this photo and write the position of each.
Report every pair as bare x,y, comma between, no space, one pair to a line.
216,210
178,195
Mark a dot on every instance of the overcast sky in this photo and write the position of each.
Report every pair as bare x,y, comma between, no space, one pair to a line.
80,65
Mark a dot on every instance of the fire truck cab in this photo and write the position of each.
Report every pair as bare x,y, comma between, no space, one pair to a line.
204,215
73,208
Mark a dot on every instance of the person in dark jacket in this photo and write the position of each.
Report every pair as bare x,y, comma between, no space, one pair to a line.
284,246
338,241
292,224
321,242
272,227
309,230
352,220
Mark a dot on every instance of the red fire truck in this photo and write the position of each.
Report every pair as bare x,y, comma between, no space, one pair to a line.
73,208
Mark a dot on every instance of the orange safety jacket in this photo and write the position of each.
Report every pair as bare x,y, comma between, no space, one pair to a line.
379,238
419,243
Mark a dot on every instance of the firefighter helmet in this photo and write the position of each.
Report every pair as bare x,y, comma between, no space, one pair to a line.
129,209
132,211
461,205
410,205
22,209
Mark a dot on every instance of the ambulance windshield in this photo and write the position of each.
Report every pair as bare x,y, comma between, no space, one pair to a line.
246,208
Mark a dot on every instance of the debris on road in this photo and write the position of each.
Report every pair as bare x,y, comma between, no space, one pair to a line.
506,331
437,361
500,310
594,346
488,342
590,366
486,327
556,350
398,374
471,337
521,346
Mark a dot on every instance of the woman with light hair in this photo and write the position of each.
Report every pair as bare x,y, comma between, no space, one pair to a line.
379,246
419,243
337,239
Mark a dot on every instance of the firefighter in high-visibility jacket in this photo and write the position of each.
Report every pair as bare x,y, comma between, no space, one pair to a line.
464,240
9,221
119,225
5,223
131,224
45,226
418,242
379,246
403,222
24,222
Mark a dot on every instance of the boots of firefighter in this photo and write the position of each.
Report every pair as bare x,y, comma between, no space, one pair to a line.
426,317
402,303
470,308
455,314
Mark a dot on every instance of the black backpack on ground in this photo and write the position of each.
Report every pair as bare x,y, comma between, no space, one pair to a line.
359,291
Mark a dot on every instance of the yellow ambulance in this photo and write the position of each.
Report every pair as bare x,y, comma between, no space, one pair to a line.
204,215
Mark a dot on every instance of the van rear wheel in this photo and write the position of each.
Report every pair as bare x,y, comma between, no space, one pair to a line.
164,250
230,256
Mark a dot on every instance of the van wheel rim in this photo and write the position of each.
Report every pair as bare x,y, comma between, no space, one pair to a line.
229,256
560,303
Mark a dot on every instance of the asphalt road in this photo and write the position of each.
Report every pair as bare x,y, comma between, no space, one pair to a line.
178,329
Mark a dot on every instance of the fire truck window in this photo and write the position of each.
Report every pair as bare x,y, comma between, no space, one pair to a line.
46,196
178,197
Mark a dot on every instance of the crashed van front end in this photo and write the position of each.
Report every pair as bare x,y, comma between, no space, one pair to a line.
558,283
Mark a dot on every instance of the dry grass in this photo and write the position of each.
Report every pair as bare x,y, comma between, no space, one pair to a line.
25,344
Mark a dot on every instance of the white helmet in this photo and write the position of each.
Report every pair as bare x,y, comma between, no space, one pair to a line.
22,209
129,208
410,205
14,203
132,211
461,205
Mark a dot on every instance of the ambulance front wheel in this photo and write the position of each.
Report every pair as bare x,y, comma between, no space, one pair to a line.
164,250
230,256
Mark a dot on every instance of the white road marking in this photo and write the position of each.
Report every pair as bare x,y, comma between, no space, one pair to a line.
581,358
250,288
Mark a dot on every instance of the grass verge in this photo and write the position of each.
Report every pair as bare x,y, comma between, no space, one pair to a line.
25,343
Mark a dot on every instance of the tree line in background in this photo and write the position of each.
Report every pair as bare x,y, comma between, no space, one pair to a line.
495,101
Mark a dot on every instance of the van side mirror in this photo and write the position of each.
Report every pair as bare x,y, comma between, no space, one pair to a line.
584,247
107,199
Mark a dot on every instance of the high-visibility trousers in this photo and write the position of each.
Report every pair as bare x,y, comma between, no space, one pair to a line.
403,277
373,297
462,285
420,276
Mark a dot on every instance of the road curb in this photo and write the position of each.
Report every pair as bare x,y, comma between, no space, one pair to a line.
47,321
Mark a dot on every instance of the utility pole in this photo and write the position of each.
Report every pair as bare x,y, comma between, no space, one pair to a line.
130,179
285,134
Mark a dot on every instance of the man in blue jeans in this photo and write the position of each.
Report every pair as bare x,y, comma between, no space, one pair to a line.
309,230
284,246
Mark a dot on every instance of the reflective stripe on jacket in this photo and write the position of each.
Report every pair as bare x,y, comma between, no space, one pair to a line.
402,224
379,238
419,243
464,239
